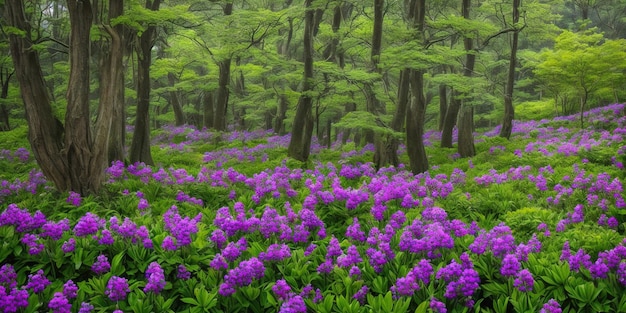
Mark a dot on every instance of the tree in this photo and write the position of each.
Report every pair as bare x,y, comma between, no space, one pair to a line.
509,110
69,156
417,109
140,146
585,65
302,131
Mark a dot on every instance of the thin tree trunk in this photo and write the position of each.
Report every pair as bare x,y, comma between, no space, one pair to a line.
449,122
443,105
223,93
509,110
179,116
140,146
466,121
279,125
207,106
5,125
300,143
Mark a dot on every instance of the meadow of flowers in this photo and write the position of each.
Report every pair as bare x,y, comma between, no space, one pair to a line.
535,224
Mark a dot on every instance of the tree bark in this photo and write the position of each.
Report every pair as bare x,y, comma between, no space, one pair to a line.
78,137
117,137
302,130
179,116
45,132
443,105
509,110
466,121
223,91
5,77
452,112
140,146
416,112
207,106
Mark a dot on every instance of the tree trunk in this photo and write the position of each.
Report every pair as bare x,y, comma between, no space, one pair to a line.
179,116
78,137
5,77
207,107
509,110
223,93
302,130
443,105
466,132
466,121
450,120
75,161
279,125
45,132
140,146
117,140
416,113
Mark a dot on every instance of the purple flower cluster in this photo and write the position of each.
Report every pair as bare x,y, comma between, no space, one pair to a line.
551,307
242,275
408,285
117,288
462,279
155,277
180,228
22,219
499,241
101,265
59,303
89,224
275,252
37,282
12,298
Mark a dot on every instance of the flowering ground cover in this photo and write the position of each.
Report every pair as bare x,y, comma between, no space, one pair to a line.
531,225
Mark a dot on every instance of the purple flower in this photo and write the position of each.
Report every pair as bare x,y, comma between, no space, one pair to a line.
106,238
231,252
294,304
85,308
182,272
88,225
30,241
524,281
282,290
156,278
242,275
8,276
437,306
510,265
354,231
70,289
59,303
55,230
275,252
11,301
143,204
73,199
101,265
69,245
361,294
218,262
37,282
169,244
551,307
117,288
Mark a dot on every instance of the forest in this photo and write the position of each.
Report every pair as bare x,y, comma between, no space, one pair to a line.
312,156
